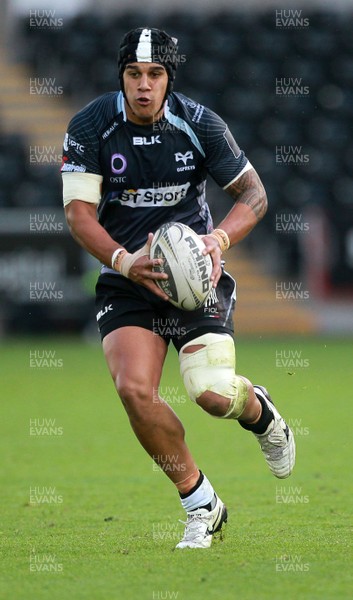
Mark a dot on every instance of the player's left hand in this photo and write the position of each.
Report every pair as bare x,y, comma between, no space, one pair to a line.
213,249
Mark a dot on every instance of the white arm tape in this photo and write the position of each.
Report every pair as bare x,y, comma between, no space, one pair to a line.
247,167
81,186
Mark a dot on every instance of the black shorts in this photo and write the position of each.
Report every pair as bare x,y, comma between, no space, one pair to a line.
121,302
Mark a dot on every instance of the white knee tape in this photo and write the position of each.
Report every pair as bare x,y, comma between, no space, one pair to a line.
212,368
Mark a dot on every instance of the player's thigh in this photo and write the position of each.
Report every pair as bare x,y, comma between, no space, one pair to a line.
135,357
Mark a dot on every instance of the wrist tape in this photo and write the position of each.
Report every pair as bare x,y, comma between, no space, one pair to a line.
125,260
222,238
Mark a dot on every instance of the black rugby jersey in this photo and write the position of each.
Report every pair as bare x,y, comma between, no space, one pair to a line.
154,173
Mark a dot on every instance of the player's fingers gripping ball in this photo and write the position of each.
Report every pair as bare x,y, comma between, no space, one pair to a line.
180,248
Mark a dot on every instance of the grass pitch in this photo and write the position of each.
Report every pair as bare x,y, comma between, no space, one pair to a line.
86,515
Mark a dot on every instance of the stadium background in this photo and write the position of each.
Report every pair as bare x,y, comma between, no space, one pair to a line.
280,74
280,80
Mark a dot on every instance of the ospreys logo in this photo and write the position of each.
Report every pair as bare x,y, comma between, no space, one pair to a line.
189,155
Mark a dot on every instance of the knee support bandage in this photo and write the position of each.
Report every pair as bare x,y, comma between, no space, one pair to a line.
212,368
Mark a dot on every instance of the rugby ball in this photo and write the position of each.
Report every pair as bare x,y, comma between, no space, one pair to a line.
188,285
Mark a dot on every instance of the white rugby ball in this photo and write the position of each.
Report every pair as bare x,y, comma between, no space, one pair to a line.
188,285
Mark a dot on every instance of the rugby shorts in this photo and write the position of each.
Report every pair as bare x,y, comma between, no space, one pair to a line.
120,302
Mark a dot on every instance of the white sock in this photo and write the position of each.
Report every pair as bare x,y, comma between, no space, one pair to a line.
203,495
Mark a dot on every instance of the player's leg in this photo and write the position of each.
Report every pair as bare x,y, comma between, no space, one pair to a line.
208,369
135,358
218,405
207,362
128,317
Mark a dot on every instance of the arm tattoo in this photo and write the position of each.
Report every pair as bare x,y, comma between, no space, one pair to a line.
249,190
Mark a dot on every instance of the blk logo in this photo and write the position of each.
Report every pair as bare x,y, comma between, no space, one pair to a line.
144,141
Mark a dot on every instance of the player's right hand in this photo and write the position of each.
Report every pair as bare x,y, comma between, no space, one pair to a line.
138,267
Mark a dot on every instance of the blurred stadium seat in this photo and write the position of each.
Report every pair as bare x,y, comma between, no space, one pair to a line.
232,63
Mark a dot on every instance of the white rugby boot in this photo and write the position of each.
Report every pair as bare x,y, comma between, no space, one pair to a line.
203,525
277,443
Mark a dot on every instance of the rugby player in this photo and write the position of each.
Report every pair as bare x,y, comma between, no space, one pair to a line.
132,160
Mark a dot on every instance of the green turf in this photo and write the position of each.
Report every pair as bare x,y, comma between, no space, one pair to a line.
109,529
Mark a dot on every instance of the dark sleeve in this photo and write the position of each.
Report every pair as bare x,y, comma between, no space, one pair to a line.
224,160
81,144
